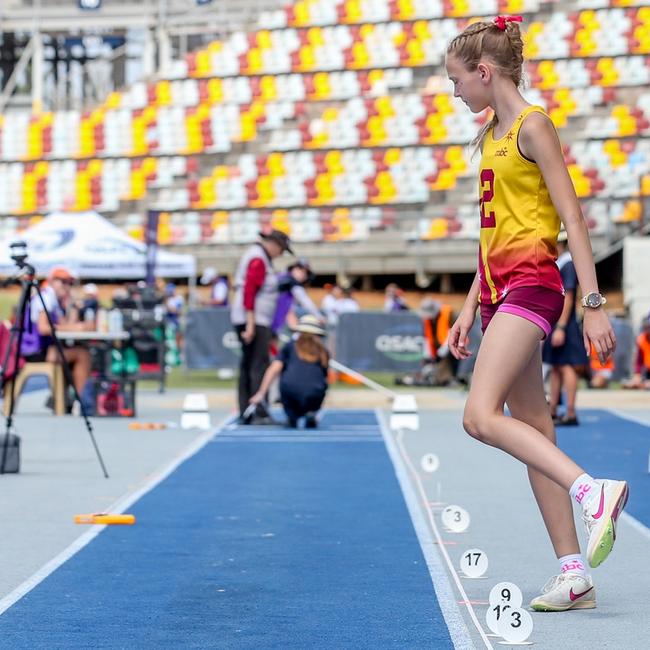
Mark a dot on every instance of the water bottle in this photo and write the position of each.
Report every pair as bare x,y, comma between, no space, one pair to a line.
115,321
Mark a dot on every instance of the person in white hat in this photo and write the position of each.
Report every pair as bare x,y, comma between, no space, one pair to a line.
219,287
302,366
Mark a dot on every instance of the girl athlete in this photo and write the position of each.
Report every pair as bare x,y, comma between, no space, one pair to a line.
524,192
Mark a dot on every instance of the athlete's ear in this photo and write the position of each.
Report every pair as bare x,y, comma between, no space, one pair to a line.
484,72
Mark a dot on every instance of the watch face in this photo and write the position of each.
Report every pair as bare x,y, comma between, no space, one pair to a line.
594,300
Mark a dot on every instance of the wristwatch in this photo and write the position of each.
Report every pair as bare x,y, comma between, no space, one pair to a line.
593,300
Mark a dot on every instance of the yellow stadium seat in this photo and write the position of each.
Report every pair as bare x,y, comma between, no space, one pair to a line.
268,88
443,104
366,31
254,61
263,39
446,180
203,64
645,185
220,172
215,91
438,229
275,165
322,86
248,129
360,56
265,190
416,55
392,156
353,11
301,13
421,30
163,93
315,36
334,163
207,192
307,58
384,106
114,100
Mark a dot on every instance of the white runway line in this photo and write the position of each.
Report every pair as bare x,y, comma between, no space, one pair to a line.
118,508
455,622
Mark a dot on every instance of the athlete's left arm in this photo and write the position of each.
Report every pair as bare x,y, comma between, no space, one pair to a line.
538,141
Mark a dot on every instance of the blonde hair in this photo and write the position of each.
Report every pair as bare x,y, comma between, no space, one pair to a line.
310,348
503,47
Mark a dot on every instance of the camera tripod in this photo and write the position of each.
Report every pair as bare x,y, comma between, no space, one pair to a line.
27,279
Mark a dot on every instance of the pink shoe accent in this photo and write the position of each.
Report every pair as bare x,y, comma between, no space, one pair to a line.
575,597
601,505
619,508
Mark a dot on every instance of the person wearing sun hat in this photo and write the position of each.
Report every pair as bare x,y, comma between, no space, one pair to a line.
302,366
37,344
219,287
251,314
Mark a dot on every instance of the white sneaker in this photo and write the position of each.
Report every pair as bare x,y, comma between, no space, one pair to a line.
566,591
600,514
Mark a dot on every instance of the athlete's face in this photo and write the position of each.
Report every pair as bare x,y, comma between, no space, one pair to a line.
469,85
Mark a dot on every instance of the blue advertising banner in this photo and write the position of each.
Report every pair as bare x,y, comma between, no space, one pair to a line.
210,340
376,341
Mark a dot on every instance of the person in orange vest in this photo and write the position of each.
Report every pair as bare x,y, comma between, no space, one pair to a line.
439,367
641,377
600,373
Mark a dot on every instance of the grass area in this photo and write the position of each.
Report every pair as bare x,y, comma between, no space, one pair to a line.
208,380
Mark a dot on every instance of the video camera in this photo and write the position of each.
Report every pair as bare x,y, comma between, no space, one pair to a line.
19,253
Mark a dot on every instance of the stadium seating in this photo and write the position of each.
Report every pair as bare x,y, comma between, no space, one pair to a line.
331,99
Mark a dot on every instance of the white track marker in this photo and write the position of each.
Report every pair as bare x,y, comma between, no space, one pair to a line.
448,605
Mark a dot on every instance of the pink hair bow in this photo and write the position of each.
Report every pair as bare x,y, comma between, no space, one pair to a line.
502,21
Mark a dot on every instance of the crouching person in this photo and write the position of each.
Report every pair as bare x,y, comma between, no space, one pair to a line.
302,366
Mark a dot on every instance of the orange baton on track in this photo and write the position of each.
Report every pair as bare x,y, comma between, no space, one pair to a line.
104,518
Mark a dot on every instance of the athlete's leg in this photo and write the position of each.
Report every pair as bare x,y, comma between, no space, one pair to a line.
570,384
526,403
507,347
555,387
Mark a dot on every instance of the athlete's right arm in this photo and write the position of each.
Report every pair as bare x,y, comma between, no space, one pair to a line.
459,332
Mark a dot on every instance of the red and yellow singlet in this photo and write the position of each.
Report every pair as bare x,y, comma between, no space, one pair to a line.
519,225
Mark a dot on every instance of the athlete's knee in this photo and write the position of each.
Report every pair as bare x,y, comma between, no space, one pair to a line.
477,424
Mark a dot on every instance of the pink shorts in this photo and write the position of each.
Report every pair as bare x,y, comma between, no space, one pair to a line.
538,305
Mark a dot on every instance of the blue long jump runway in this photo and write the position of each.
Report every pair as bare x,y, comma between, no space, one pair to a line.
266,538
608,446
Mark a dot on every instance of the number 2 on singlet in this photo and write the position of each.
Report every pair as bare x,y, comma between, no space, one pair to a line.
488,220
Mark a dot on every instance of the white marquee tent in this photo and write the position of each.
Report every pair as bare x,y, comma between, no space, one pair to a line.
92,247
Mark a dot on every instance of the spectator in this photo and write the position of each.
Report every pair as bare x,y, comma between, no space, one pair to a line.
174,304
436,322
346,304
38,343
251,313
394,299
641,377
564,349
219,287
302,365
291,287
328,305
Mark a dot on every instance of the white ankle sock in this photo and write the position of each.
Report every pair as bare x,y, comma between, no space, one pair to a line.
583,486
573,563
